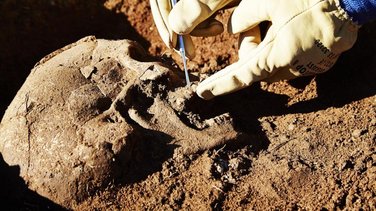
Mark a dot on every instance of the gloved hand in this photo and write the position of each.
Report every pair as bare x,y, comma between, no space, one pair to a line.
305,38
188,17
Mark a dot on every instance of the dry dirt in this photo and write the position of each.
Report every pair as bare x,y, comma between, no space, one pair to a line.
313,139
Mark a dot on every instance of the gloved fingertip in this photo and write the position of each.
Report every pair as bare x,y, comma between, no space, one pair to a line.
234,27
190,51
229,26
190,56
183,24
172,41
208,29
247,15
205,94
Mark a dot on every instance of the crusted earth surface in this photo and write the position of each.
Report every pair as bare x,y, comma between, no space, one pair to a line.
303,144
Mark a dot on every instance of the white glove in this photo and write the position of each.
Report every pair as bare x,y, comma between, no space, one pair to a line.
305,38
188,17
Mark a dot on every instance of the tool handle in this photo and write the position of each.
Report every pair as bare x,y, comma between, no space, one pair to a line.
182,51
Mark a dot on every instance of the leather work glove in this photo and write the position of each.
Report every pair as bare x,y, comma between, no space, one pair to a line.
188,17
305,38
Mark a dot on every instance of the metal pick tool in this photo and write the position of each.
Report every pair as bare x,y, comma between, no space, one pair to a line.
182,51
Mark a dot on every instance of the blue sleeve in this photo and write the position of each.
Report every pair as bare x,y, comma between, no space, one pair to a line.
361,11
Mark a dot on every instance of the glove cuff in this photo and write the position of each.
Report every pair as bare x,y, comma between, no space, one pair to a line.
361,11
344,15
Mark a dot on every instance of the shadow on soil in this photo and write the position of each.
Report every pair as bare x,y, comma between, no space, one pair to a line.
32,29
352,78
148,154
32,33
14,194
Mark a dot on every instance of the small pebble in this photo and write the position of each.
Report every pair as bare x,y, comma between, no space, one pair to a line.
356,133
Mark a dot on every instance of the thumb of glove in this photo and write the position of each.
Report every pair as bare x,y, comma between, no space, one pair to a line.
187,17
